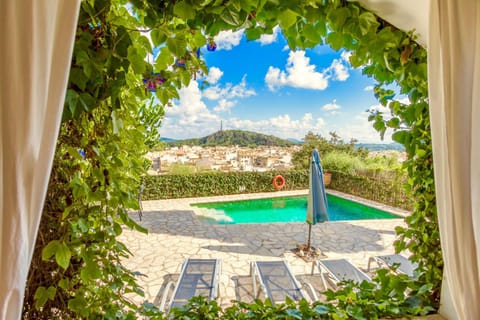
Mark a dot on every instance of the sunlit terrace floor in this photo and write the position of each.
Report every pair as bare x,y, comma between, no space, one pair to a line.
175,234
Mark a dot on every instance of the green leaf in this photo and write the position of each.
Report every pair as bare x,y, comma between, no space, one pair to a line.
335,40
66,212
42,295
401,136
177,46
246,5
164,59
77,77
235,4
91,271
379,125
158,36
124,42
366,22
86,101
287,18
230,16
77,304
311,33
50,249
254,33
420,152
199,40
117,229
51,292
72,100
63,255
315,16
393,123
137,59
339,16
82,225
63,283
183,10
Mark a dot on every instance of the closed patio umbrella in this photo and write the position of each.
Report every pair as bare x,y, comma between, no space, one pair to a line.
317,206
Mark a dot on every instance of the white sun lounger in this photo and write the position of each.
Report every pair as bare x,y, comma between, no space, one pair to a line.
339,270
277,281
403,265
198,277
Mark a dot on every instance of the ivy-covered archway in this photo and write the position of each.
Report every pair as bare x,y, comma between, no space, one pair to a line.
106,117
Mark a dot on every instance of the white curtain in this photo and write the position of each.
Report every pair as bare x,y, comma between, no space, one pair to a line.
36,39
454,84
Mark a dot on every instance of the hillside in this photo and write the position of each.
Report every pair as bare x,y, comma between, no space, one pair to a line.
234,137
381,146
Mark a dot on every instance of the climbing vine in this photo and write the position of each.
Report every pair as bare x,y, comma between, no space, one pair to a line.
110,120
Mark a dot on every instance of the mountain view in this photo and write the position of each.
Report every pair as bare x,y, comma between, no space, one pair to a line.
232,138
252,139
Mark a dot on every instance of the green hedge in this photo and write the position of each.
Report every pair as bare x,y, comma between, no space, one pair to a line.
225,183
387,191
219,183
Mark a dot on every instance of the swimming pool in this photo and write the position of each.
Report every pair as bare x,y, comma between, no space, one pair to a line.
283,209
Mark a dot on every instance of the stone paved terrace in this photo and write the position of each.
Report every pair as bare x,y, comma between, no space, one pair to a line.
176,234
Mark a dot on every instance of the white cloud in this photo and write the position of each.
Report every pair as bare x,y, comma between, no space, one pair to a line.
345,55
224,105
320,123
189,117
226,40
229,91
378,107
266,39
362,130
368,88
339,70
214,74
212,93
281,126
333,107
299,74
241,90
404,100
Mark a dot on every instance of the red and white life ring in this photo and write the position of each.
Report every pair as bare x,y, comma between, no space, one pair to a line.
278,182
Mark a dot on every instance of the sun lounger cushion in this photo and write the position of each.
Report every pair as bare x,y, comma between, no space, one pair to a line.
405,266
276,280
198,277
340,270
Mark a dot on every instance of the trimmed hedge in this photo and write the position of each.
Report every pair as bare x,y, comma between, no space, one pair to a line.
219,183
390,192
224,183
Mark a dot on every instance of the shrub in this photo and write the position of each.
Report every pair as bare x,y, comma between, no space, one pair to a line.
343,162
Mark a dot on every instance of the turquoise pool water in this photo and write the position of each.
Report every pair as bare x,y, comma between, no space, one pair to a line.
283,209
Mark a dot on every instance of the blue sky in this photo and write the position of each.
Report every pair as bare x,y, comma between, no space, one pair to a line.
263,86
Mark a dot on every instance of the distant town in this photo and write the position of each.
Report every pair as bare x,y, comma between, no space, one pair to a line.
233,158
221,158
239,150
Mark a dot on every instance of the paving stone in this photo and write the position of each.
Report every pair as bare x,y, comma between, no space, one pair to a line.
176,234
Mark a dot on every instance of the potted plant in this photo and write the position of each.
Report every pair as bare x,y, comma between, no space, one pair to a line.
327,178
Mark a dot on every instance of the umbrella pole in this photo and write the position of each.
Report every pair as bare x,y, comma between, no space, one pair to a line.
309,236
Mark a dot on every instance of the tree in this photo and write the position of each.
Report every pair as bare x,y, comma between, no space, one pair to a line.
301,158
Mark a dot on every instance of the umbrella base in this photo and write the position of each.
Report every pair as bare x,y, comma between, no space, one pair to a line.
308,254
